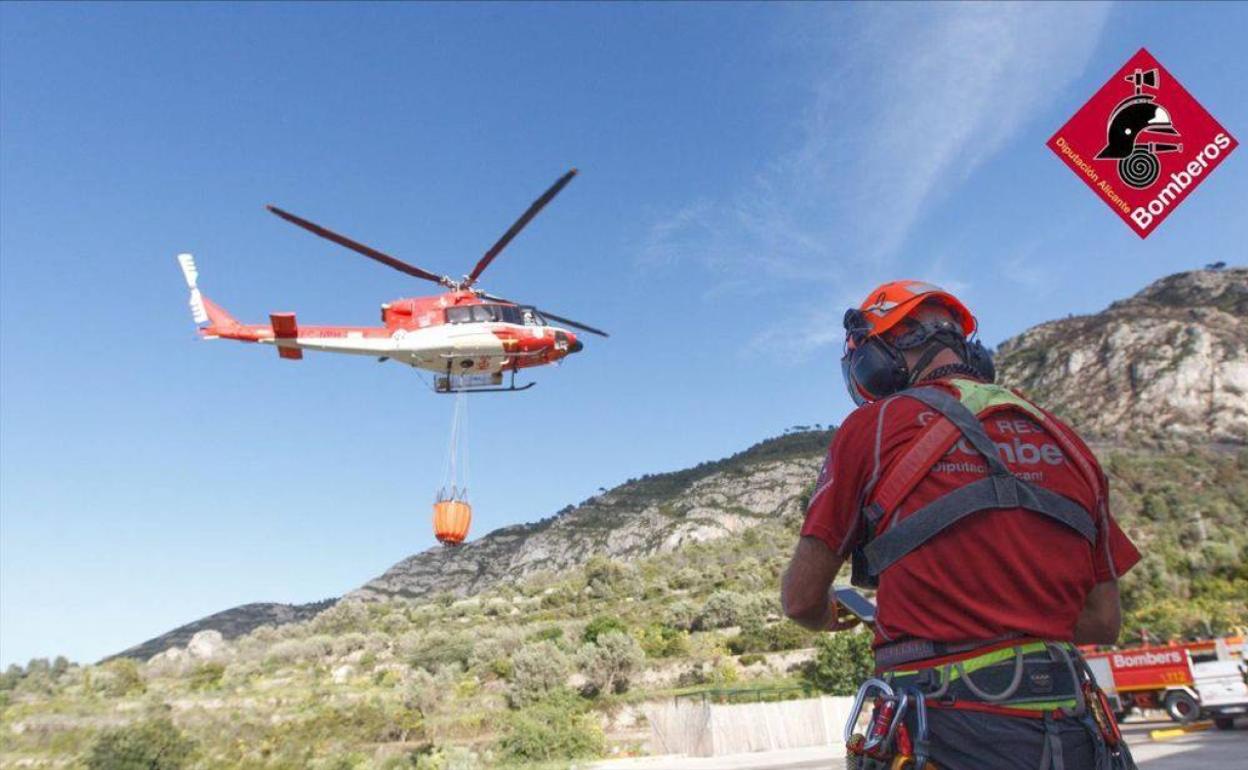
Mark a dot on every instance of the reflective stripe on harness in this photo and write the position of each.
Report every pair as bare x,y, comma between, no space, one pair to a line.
999,489
1029,679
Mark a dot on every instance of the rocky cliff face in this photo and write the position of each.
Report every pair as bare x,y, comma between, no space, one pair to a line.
1170,362
653,515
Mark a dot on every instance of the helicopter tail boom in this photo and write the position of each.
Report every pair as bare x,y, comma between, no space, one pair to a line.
205,311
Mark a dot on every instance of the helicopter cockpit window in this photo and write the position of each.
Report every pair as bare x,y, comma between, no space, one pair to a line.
530,317
465,314
511,314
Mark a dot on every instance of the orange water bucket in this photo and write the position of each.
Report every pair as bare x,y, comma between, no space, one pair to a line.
451,519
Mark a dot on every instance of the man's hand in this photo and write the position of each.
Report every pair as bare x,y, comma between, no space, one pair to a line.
841,618
804,590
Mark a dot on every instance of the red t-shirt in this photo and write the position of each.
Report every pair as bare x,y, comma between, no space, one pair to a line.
996,572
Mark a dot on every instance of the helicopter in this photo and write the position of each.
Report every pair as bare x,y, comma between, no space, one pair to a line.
465,336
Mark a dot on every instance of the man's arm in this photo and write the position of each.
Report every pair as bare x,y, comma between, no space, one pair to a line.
804,590
1101,618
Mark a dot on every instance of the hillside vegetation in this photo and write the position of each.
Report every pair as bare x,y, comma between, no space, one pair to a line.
555,667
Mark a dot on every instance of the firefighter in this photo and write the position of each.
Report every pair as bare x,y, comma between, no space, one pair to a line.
982,522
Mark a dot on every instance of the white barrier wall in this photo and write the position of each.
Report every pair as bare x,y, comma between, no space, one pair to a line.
701,729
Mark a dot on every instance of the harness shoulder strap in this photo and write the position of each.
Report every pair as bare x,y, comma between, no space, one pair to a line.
966,421
933,441
983,495
1000,489
881,496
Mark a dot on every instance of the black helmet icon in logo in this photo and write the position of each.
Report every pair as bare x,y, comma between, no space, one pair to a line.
1138,114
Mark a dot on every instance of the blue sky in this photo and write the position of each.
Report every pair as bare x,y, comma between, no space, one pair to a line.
747,172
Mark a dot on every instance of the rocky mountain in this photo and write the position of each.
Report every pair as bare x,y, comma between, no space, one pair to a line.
1170,362
231,623
655,514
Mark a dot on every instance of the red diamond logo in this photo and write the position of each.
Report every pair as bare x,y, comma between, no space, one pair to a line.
1142,143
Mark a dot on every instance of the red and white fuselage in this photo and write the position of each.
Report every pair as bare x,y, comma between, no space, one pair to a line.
456,333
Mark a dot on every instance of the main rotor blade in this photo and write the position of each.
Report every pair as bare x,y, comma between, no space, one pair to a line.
519,225
573,324
552,316
357,247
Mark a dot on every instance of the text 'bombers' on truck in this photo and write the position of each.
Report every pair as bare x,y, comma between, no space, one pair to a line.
1188,680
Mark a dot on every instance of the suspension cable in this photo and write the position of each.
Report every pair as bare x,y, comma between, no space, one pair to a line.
455,467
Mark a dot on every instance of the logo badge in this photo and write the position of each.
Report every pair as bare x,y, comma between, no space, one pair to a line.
1142,143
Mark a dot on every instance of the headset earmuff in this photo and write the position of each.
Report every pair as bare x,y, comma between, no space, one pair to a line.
979,358
872,368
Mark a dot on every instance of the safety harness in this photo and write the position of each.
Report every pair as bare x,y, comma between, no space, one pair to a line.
889,539
1037,680
1007,676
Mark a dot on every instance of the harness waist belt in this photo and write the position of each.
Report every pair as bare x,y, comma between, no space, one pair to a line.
1031,676
899,653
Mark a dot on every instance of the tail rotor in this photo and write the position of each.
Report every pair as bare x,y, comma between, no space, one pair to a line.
191,274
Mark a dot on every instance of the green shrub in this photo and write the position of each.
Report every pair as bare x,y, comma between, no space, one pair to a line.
750,659
681,615
554,729
659,641
154,745
122,678
426,692
558,597
842,662
207,677
11,676
537,670
548,634
502,668
721,672
322,725
602,624
439,649
685,577
307,650
602,576
610,662
342,618
726,608
785,635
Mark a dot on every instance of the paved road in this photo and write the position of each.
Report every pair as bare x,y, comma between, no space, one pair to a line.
1213,749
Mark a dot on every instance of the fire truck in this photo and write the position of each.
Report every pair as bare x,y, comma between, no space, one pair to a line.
1187,680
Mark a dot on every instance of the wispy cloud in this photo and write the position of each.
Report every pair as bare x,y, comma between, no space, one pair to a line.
908,102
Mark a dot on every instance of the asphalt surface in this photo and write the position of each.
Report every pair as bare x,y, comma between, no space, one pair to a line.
1212,748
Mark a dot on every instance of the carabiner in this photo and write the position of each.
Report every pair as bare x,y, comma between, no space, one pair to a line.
920,740
855,711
